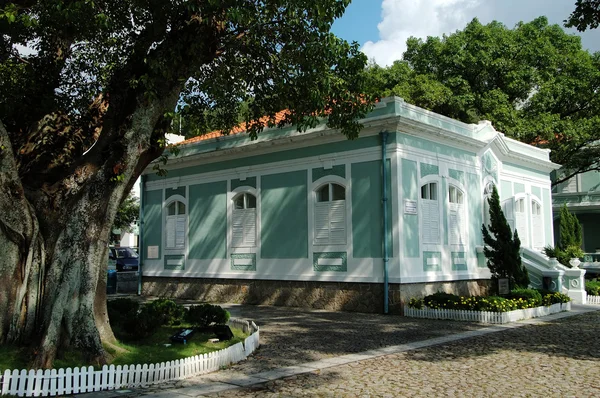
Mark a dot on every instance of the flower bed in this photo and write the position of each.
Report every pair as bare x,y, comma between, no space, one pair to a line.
519,304
486,316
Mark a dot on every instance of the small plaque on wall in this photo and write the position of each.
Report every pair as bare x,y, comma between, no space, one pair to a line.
503,286
152,252
410,206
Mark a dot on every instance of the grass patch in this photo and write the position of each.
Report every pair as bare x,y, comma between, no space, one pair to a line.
12,357
152,349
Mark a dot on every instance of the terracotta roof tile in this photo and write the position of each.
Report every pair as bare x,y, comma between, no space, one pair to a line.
241,128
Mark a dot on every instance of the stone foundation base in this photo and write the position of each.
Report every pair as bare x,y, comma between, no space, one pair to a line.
332,296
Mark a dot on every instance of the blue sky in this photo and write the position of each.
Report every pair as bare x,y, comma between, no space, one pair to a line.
381,27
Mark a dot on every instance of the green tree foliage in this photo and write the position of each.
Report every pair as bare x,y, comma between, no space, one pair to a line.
571,239
535,83
127,214
88,90
586,15
502,247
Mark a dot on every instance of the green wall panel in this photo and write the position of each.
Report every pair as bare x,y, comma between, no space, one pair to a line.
174,262
243,262
537,191
174,191
248,182
432,261
410,233
207,233
284,214
457,175
429,169
367,212
152,228
459,263
519,188
343,256
339,170
506,190
475,210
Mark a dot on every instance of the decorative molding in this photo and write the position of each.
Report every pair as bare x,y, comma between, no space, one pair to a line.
247,261
429,169
325,261
174,262
432,261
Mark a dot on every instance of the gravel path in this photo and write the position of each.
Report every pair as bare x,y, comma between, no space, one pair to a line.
558,359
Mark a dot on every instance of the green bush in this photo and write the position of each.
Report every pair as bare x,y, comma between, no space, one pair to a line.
555,298
120,310
145,322
532,295
204,315
166,311
592,287
519,299
441,299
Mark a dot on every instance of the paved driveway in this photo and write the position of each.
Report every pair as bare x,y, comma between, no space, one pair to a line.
557,356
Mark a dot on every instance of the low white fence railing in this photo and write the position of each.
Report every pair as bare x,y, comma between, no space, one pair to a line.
485,316
50,382
593,299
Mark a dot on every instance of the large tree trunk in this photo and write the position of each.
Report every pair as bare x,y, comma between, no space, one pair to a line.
54,243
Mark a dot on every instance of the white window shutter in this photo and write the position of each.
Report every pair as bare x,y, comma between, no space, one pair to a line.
170,232
337,220
430,221
322,223
453,224
521,222
250,227
508,208
180,232
461,220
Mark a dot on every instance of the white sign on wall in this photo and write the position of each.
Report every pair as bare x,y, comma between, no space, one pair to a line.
410,206
152,251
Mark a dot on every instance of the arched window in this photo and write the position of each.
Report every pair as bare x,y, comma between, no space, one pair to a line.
537,225
330,214
175,225
243,226
430,213
521,221
457,228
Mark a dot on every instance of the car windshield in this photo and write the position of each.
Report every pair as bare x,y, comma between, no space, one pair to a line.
126,252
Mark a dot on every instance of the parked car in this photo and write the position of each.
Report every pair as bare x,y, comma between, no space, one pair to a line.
127,259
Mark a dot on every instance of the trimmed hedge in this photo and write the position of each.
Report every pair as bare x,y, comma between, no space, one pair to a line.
205,315
517,299
593,287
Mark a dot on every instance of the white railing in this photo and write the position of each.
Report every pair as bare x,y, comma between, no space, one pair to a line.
593,299
50,382
486,316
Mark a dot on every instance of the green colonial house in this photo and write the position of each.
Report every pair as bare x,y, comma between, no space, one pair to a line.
313,219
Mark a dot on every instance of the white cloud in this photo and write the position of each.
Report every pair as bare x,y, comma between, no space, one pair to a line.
402,19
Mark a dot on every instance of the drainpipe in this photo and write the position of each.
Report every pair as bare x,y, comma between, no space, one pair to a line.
140,235
384,137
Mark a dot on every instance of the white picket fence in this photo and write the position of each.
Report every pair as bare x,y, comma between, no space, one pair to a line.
485,316
593,299
50,382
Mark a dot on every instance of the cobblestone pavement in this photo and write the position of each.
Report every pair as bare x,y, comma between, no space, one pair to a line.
559,358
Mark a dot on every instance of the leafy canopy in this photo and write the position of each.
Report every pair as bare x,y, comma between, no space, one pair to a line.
535,83
502,247
72,73
586,15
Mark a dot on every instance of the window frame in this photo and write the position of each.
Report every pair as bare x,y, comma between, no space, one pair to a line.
235,195
461,205
167,203
429,244
330,245
231,196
